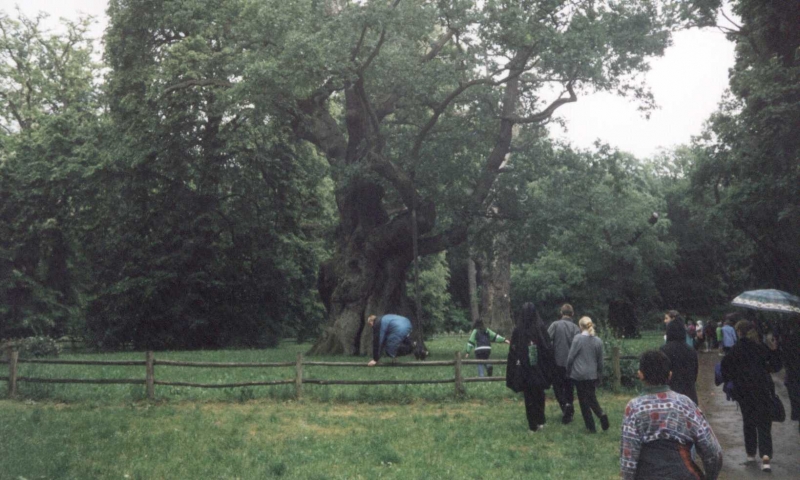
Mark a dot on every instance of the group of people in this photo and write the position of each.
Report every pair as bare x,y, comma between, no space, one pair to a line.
663,429
564,355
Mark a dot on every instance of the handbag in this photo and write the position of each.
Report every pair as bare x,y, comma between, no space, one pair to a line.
778,413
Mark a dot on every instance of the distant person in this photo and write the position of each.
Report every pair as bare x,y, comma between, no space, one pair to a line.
719,337
561,333
683,361
729,336
530,364
585,367
660,427
790,354
749,364
391,334
700,339
481,340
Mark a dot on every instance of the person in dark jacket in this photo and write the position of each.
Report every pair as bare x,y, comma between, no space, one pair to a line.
530,364
790,354
749,365
683,360
391,334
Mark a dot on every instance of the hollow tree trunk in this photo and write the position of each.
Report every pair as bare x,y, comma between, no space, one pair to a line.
367,274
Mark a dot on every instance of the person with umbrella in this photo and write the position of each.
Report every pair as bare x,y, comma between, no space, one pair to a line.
749,365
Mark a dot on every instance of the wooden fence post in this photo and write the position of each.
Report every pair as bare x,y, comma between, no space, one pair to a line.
459,379
150,375
615,365
298,379
13,358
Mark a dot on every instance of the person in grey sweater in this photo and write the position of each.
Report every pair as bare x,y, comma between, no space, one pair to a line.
561,333
585,367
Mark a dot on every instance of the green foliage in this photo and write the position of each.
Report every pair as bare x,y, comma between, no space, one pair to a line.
212,220
49,129
33,347
748,159
438,310
581,232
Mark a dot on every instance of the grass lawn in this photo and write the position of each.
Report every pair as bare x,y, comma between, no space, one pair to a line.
335,432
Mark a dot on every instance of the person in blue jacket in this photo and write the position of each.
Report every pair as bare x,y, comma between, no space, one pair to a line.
390,334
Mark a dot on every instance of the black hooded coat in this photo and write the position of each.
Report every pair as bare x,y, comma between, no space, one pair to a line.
683,360
520,374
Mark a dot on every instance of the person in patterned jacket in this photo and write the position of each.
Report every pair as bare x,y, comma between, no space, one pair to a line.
661,426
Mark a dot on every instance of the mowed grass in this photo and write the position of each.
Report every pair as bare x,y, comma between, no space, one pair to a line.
334,432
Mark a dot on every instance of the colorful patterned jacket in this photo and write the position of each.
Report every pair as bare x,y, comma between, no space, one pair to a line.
661,414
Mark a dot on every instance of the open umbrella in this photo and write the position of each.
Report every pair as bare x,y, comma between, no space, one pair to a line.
770,300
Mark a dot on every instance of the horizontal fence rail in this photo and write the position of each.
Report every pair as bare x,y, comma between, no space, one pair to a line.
13,378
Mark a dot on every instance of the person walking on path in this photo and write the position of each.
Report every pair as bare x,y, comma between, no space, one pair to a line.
585,367
391,334
660,427
562,332
673,315
481,340
719,337
790,354
749,365
729,337
683,361
530,364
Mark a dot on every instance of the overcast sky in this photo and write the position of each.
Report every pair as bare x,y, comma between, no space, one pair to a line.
687,82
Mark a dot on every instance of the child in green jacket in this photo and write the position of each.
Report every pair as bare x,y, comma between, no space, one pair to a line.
481,340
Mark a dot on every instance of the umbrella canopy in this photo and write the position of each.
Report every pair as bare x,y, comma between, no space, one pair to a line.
770,300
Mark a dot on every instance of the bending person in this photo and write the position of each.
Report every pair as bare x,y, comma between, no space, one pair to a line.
390,334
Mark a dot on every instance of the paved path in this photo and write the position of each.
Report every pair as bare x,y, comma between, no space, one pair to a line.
726,420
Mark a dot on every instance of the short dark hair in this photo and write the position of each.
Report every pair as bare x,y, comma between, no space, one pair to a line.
655,367
567,311
673,314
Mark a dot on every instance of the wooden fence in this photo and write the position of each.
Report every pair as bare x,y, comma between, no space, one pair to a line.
298,381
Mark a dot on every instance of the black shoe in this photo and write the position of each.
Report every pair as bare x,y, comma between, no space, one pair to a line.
569,412
489,370
604,422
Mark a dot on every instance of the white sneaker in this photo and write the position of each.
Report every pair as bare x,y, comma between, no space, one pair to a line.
751,459
765,464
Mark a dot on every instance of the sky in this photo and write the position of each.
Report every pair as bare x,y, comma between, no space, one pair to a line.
688,82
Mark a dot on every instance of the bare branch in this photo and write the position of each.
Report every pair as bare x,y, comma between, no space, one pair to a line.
197,83
548,112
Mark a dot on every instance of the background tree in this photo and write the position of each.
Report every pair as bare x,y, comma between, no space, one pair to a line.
750,161
212,219
49,131
413,105
585,236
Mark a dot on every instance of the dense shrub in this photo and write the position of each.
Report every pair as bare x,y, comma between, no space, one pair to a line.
33,347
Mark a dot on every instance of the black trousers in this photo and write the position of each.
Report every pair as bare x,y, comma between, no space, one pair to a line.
587,397
562,387
406,346
534,407
757,428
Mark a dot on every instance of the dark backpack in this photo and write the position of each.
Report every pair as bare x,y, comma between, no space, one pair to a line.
482,339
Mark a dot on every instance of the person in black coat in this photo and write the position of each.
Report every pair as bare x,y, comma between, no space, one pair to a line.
683,360
749,365
530,364
790,354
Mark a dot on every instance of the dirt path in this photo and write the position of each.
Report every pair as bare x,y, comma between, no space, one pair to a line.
726,420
